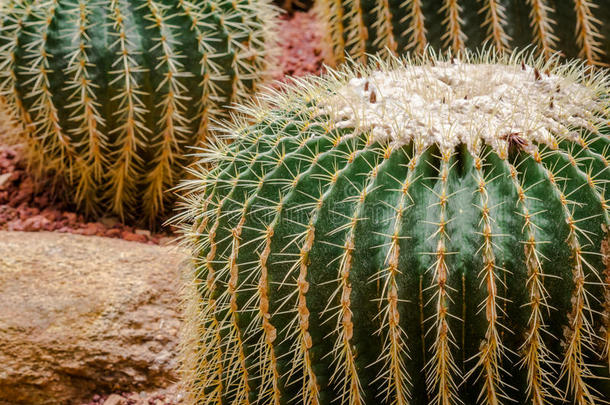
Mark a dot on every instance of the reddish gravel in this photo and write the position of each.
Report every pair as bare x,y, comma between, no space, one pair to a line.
301,42
23,208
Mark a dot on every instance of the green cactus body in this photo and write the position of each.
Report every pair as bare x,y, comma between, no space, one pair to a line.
345,252
576,28
112,94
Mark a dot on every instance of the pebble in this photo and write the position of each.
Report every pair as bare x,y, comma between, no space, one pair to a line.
301,42
115,399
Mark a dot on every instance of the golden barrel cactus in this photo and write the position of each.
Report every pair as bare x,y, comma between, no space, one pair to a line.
111,95
576,28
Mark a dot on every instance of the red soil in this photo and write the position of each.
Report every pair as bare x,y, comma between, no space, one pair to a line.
301,42
24,208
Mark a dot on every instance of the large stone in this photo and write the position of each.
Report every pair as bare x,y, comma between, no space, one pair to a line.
81,314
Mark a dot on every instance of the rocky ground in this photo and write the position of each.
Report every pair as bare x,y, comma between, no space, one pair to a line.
23,207
87,315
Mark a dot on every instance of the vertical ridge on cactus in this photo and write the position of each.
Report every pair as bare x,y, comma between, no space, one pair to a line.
542,24
421,231
495,20
112,94
358,27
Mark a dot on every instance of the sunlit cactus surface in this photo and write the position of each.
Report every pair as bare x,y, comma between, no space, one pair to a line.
111,94
421,232
576,28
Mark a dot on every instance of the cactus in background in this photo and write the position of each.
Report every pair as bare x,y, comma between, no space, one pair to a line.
422,232
112,94
577,28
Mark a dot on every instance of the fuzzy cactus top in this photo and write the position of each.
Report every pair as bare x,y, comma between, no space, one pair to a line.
418,232
456,103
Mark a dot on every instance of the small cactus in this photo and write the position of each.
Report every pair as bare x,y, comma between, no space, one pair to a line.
112,94
430,231
577,28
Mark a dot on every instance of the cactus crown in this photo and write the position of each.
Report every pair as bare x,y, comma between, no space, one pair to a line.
396,234
455,103
111,94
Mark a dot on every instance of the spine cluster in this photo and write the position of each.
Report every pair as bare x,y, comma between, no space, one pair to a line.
111,94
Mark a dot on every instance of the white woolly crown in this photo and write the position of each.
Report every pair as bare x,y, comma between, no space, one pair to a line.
475,99
450,102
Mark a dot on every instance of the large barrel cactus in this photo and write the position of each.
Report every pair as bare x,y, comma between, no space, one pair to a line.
421,232
111,94
577,28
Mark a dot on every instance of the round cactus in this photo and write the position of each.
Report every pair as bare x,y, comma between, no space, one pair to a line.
111,94
428,231
574,27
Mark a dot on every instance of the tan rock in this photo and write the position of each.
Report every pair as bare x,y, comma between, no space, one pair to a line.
115,399
4,178
81,315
